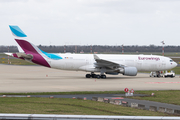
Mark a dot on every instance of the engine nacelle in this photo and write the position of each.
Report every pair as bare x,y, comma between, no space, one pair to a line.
129,71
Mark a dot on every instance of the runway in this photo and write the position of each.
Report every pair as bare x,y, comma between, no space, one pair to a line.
41,79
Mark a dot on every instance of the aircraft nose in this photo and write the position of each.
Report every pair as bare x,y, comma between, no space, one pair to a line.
175,64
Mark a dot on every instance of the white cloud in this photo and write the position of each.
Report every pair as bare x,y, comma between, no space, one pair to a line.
107,22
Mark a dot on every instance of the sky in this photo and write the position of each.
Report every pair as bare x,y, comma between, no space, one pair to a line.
92,22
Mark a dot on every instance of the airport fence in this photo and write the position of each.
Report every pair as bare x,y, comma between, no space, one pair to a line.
79,117
137,106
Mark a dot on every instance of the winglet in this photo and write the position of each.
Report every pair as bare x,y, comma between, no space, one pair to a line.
17,31
96,57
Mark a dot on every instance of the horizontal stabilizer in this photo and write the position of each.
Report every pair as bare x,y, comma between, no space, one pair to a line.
10,54
26,56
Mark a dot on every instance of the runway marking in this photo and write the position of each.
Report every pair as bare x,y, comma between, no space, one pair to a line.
118,98
160,82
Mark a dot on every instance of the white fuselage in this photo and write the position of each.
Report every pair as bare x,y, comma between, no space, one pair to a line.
86,62
103,63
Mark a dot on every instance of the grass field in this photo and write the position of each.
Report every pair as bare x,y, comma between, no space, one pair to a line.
176,70
1,55
68,106
164,96
83,107
15,61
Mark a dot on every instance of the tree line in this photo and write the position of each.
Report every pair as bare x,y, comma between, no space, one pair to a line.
97,48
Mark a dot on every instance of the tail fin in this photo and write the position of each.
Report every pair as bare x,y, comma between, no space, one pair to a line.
18,35
31,51
21,39
17,32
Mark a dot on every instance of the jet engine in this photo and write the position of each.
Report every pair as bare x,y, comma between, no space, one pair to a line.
129,71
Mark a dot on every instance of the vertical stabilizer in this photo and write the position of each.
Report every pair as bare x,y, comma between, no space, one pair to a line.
31,52
18,34
16,31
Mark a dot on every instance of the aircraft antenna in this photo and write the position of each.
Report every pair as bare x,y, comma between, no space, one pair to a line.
91,49
162,47
122,49
75,48
64,48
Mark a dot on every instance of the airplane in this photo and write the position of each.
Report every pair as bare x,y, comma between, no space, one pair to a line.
103,64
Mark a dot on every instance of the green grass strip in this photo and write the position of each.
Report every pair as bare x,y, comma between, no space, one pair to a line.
68,106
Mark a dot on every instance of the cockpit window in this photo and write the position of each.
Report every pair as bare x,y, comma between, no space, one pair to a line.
171,61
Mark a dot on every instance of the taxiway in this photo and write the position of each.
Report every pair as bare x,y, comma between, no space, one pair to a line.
15,79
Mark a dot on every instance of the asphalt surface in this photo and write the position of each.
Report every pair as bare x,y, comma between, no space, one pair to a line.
117,97
21,79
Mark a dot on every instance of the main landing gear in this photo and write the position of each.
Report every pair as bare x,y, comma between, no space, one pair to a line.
92,75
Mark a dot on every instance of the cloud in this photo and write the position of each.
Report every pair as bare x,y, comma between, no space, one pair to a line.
107,22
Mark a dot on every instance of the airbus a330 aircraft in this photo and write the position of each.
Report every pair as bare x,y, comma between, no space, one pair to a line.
93,63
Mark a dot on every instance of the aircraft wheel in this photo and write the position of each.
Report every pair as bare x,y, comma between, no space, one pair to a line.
88,75
98,76
103,76
93,75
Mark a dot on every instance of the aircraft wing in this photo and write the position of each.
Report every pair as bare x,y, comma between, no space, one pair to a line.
21,55
106,63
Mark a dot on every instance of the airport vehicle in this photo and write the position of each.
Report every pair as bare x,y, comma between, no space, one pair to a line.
93,63
156,74
169,74
152,74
